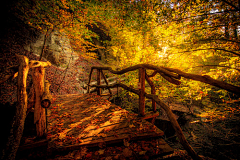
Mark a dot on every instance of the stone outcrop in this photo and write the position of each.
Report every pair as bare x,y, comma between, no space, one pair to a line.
57,48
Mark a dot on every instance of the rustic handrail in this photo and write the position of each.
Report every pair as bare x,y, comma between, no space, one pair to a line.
174,75
41,92
171,75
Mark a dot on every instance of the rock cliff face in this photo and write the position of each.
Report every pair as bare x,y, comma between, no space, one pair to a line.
57,48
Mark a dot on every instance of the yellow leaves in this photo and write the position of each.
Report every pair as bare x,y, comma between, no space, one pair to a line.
64,4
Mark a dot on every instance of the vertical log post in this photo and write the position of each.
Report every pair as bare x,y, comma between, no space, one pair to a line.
99,81
142,91
153,91
19,118
39,112
105,79
89,81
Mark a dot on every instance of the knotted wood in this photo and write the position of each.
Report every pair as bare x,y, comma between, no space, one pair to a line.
206,79
47,96
19,118
39,111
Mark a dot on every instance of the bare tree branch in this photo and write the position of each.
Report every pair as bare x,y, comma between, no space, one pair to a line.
231,4
217,66
214,49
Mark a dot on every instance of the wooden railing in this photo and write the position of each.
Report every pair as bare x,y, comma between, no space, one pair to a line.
172,76
42,100
140,91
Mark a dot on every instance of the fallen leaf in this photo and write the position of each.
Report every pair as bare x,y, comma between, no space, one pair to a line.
127,152
131,126
89,155
117,156
108,158
101,151
142,152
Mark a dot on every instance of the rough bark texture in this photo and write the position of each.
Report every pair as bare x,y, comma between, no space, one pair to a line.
176,127
47,96
18,121
207,79
39,112
153,91
146,66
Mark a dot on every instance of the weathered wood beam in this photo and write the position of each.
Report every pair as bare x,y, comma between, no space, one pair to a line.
19,118
142,91
89,80
105,79
108,79
99,81
207,79
47,96
170,79
176,127
150,115
39,111
153,91
118,85
153,74
147,66
34,64
42,95
172,75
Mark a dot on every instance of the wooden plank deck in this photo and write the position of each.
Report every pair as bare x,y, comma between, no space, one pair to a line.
90,120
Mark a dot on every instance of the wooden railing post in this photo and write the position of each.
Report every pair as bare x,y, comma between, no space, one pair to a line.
39,112
142,91
98,81
89,81
38,84
15,134
153,91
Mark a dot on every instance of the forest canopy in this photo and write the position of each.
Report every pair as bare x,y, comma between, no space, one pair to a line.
196,36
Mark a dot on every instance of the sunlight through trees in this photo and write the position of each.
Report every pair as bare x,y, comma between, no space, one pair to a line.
198,36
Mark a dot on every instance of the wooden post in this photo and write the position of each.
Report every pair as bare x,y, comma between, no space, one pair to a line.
89,81
39,111
99,81
47,96
142,91
15,135
153,91
105,79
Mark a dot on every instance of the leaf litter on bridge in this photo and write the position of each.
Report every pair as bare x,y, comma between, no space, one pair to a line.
88,118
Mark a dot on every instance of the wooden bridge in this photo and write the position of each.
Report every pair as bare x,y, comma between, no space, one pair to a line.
88,119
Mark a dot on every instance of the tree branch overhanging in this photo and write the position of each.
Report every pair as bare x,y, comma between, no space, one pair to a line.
230,4
221,49
217,66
